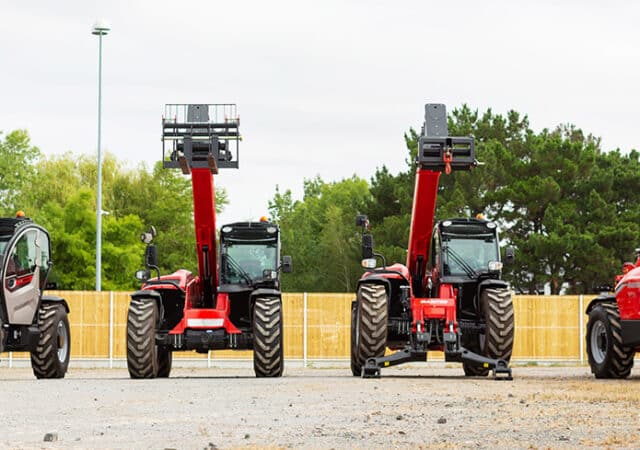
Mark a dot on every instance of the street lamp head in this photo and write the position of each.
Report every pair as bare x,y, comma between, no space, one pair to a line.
101,28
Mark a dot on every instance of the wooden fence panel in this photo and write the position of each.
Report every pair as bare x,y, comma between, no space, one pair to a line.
547,328
329,325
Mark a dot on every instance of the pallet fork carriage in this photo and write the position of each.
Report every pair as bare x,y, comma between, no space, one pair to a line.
449,296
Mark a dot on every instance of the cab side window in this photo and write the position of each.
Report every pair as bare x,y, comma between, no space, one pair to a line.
43,243
22,259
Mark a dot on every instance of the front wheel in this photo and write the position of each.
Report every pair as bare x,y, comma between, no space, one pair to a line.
608,358
370,316
268,354
142,351
497,308
50,359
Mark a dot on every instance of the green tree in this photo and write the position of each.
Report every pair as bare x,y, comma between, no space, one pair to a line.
133,200
319,233
570,209
17,156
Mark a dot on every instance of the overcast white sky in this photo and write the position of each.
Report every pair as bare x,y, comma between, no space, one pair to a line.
325,87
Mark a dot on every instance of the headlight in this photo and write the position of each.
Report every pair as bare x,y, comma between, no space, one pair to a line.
142,275
495,266
369,263
446,223
491,225
226,229
271,230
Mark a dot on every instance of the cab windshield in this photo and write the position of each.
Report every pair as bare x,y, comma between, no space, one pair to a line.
468,255
245,263
4,240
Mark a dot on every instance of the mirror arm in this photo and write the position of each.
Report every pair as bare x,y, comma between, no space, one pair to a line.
384,260
156,268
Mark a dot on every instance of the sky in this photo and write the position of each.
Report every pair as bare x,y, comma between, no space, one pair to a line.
323,88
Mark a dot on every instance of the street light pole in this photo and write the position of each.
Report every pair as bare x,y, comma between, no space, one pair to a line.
100,28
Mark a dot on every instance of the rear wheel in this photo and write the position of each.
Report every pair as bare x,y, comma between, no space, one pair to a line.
370,334
50,359
165,358
268,355
142,352
356,367
608,358
474,343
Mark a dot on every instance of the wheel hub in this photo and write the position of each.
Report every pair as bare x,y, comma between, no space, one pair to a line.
599,342
63,341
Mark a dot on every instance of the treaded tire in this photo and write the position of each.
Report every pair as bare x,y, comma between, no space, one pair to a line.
50,359
371,325
356,367
165,358
473,344
1,336
497,308
268,355
142,352
608,358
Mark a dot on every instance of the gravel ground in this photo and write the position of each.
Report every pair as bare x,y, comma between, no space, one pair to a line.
416,407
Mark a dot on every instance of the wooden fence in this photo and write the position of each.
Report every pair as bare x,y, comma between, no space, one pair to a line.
316,328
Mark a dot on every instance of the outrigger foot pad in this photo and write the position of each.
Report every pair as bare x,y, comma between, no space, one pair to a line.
502,371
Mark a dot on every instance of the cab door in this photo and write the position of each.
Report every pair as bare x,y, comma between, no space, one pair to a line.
21,276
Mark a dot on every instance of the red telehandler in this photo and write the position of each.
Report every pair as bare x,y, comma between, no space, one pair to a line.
613,330
449,297
234,302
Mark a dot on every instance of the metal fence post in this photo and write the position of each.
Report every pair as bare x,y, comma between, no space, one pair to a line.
110,329
304,330
580,332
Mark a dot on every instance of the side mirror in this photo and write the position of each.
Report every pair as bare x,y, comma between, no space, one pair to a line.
362,220
151,256
148,236
509,255
367,246
143,275
287,264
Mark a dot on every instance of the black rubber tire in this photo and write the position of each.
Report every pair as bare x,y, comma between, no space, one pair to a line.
356,367
370,335
142,351
50,359
268,351
473,343
610,359
1,336
165,359
497,307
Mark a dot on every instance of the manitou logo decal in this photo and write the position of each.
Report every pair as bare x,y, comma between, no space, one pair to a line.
434,301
